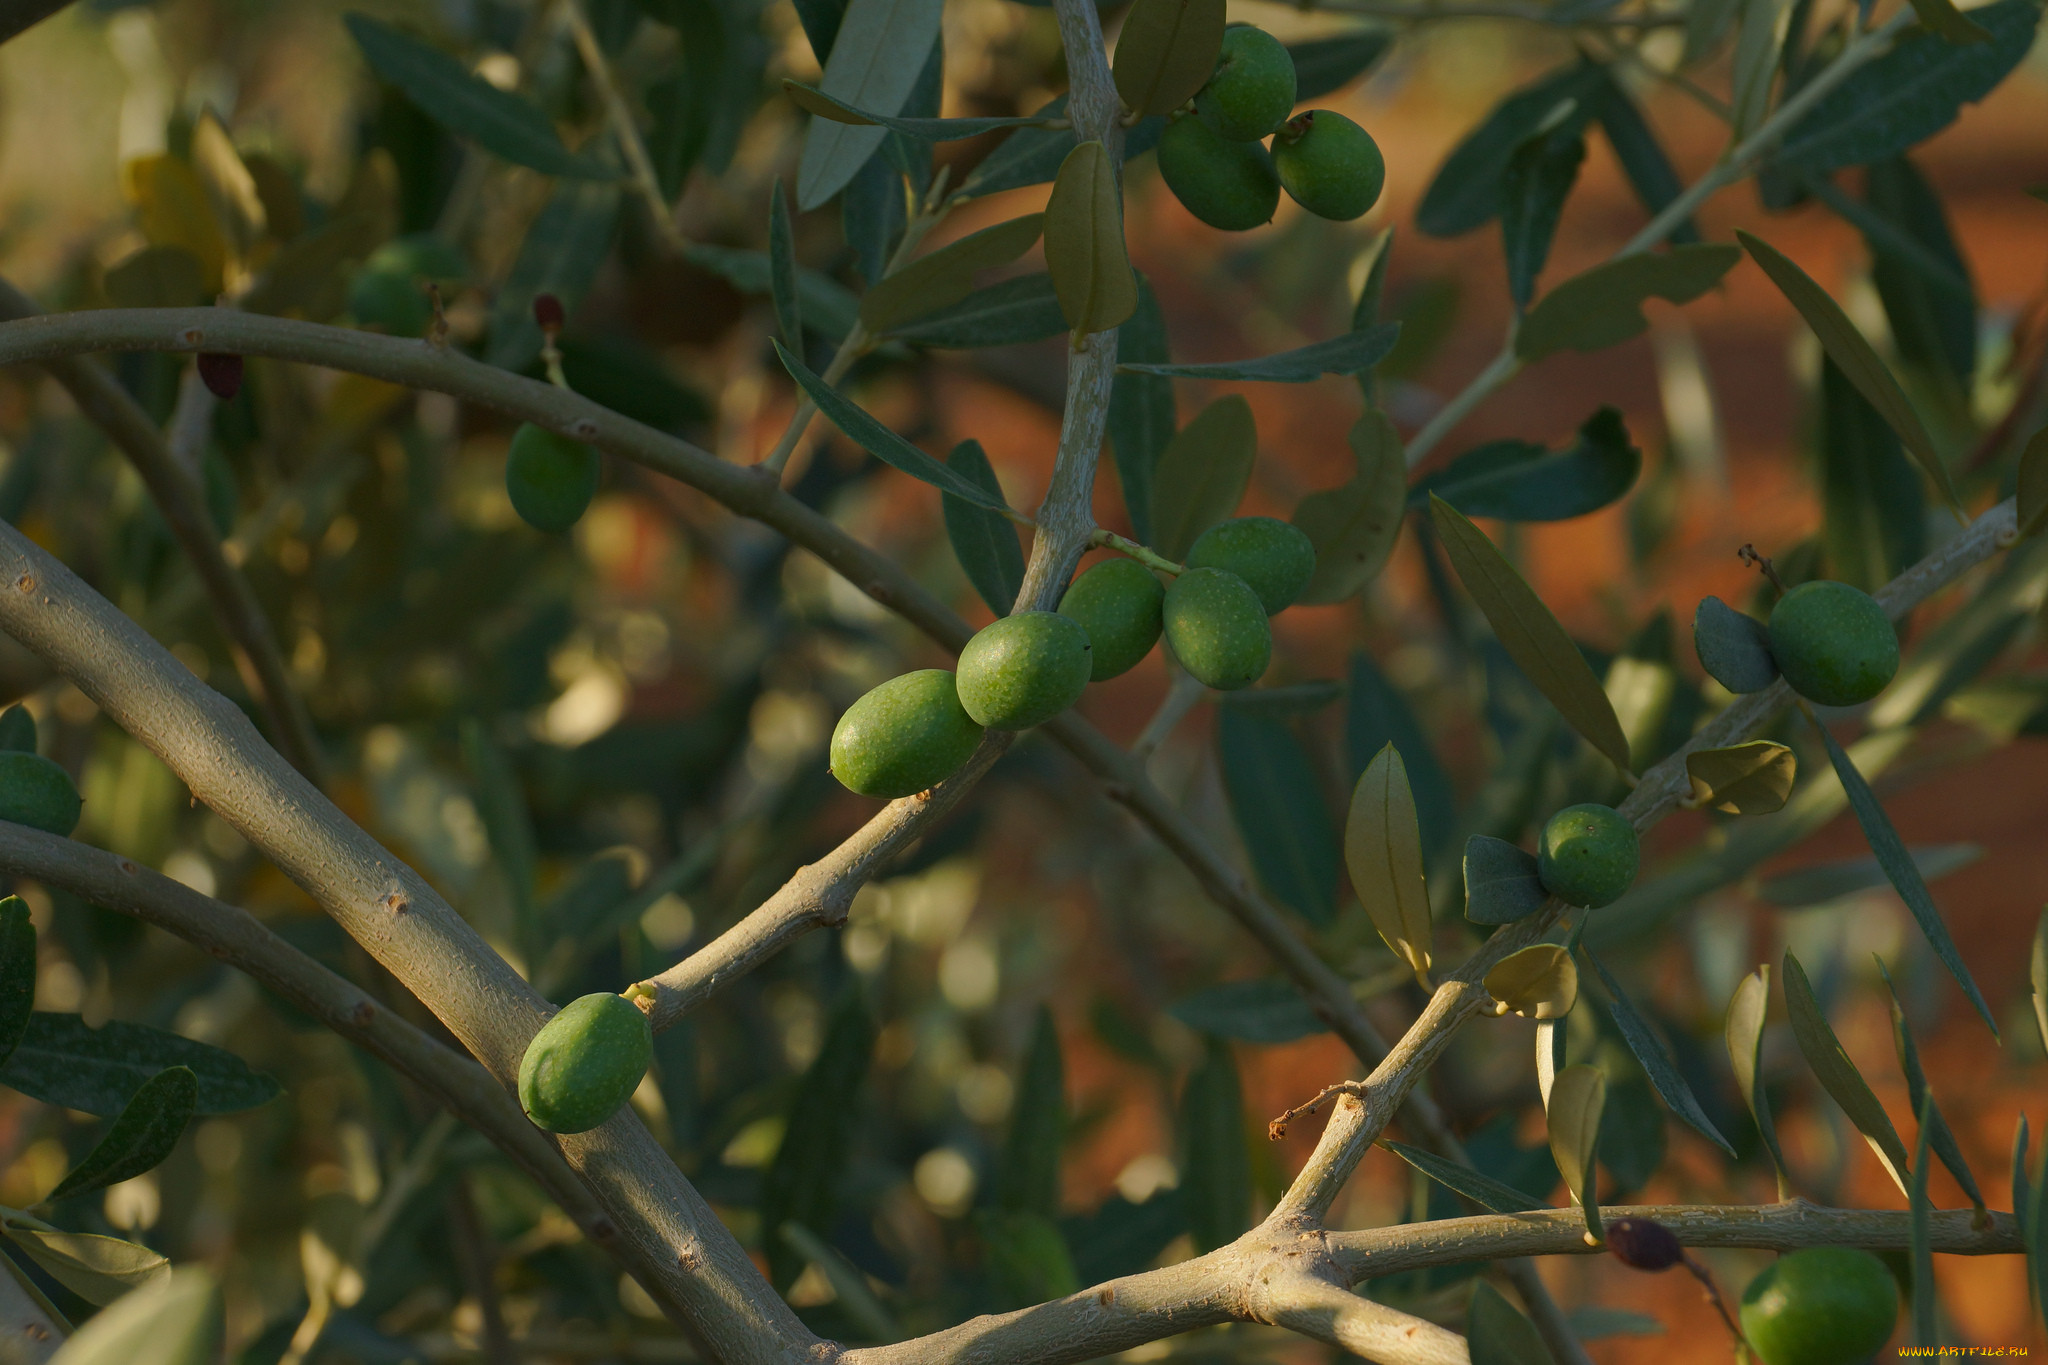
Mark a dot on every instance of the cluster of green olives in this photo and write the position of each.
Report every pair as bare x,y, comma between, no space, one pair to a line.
1587,855
916,730
1832,643
1214,159
33,790
585,1062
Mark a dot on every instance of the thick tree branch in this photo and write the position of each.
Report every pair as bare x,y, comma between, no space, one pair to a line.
1314,1307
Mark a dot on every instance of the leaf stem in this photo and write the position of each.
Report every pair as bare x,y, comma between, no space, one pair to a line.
620,115
1110,540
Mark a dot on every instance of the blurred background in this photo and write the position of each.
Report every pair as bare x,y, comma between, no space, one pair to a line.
644,704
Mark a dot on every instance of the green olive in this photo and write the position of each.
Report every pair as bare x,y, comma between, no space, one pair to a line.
1587,855
1329,165
1117,603
37,793
1277,558
1821,1306
905,736
1216,626
551,478
1251,91
389,300
1834,643
1228,185
1025,669
585,1062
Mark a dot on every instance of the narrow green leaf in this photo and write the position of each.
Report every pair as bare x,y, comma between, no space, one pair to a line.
1084,243
829,308
1537,982
1656,1062
468,105
1759,40
1346,354
1744,1032
1903,873
1577,1098
1203,473
1003,314
98,1070
1604,305
564,248
1141,409
1277,802
1839,1076
97,1269
1909,94
877,57
885,445
1326,65
1383,850
1260,1011
1376,714
1534,185
2036,1222
1483,1190
942,278
141,1137
176,1322
1521,481
1920,1213
17,972
1643,160
1216,1187
2033,485
1354,525
1858,360
789,317
802,1183
1818,883
816,102
1029,1179
157,277
1530,634
1873,505
1501,884
1934,1130
1752,778
1165,53
1029,156
985,542
1465,193
2037,975
508,825
1498,1334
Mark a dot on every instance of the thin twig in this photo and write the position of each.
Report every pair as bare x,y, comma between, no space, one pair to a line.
620,115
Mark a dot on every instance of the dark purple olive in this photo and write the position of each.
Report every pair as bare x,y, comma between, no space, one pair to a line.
547,311
1644,1244
221,373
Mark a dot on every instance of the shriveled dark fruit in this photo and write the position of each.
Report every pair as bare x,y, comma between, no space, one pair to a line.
1329,165
1643,1243
1025,669
1821,1306
1117,602
551,478
1216,626
37,793
390,301
904,736
1834,643
1587,855
221,373
585,1062
1275,557
1228,185
1251,92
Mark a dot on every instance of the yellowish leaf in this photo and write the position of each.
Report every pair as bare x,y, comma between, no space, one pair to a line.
172,209
1744,779
1354,525
1084,243
1538,982
1166,52
1383,849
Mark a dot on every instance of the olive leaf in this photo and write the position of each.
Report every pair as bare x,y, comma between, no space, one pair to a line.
1604,305
1028,1180
157,277
1203,473
885,445
1577,1099
175,1320
1354,525
564,249
1216,1185
1529,633
141,1137
1752,778
829,307
1326,65
944,277
1838,1075
63,1061
1466,190
1643,159
1142,414
1656,1062
1759,39
1501,881
1523,481
1934,1130
983,541
1347,353
1744,1032
1903,872
1537,982
1084,243
877,57
17,962
812,100
1818,883
2037,975
1498,1334
1165,53
2032,513
171,209
97,1269
1383,849
1002,314
1481,1189
1855,356
1259,1011
1734,647
1277,803
789,317
1550,1055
